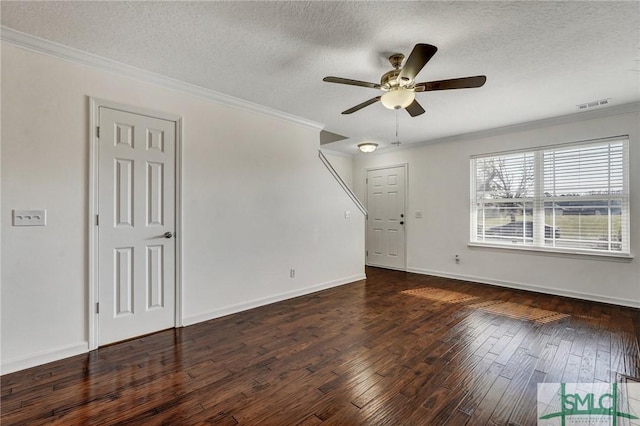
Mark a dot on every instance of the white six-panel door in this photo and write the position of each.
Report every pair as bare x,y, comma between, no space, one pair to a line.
136,206
386,218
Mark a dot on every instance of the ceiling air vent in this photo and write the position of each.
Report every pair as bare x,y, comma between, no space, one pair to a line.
593,104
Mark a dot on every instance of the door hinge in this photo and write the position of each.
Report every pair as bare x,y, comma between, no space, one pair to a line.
98,132
98,308
366,180
367,253
97,220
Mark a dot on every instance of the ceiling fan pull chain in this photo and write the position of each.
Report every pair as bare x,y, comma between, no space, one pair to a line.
397,127
397,142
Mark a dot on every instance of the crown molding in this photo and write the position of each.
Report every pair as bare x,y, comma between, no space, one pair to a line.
521,127
40,45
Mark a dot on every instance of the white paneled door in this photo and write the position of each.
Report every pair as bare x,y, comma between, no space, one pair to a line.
136,225
386,218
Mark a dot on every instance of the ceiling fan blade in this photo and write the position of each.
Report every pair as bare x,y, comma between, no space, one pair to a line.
414,109
418,58
454,83
362,105
351,82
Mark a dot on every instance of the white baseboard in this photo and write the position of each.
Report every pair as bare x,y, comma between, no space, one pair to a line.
194,319
387,267
534,288
55,354
43,357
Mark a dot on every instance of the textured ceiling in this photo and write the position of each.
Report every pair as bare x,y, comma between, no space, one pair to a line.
541,59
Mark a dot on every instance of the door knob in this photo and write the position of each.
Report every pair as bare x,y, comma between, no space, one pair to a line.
168,235
402,222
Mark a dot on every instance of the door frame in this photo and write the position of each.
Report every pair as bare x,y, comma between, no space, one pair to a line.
405,166
93,278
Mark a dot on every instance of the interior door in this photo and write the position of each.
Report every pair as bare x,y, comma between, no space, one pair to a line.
386,218
136,223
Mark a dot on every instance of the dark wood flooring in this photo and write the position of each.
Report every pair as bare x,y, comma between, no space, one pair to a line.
364,353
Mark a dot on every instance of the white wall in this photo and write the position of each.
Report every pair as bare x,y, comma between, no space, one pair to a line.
439,187
343,165
257,201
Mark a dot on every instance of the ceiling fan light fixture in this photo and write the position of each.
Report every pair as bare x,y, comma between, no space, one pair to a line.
367,146
398,98
399,85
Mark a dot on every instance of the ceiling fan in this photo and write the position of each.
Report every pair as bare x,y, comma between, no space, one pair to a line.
399,84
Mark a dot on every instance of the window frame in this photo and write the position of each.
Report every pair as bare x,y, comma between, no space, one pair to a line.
539,200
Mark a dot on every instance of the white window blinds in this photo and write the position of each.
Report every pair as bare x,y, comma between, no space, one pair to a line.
568,197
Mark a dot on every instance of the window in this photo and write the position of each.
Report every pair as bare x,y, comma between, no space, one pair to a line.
570,197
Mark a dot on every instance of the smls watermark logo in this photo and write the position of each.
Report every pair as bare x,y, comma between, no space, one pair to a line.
616,404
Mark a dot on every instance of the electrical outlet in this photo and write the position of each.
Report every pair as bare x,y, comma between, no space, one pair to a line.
457,258
292,273
29,217
418,215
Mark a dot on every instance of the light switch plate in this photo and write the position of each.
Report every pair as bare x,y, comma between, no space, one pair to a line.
418,215
29,217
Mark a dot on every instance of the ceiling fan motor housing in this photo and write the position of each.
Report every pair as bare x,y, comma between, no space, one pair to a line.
390,80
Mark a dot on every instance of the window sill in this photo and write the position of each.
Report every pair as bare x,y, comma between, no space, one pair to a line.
575,254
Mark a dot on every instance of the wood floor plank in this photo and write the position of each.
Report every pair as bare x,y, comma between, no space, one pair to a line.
480,388
514,391
488,404
359,354
524,412
559,363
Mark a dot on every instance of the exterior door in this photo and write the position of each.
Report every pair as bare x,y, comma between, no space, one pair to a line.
386,218
136,223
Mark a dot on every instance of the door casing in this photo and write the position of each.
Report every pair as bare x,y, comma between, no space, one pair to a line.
93,279
406,192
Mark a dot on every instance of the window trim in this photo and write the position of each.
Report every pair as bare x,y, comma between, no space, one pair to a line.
538,152
550,146
555,252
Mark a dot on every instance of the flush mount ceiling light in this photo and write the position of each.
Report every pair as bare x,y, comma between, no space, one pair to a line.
367,146
398,98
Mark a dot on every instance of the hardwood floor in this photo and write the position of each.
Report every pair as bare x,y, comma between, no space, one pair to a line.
365,353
